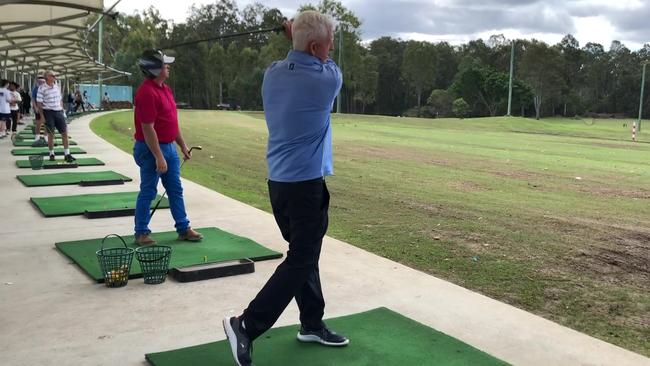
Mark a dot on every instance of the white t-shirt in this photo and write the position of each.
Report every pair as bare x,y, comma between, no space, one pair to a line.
15,96
5,98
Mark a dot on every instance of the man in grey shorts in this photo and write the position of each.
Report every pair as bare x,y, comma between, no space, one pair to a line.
50,104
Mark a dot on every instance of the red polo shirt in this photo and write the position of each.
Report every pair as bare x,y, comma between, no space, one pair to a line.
155,104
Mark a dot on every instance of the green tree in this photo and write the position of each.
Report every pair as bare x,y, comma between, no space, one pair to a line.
447,65
440,101
541,69
366,85
460,108
419,67
477,84
595,75
572,60
217,59
391,88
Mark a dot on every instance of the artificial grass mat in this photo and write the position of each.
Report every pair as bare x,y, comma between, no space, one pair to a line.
79,162
24,134
30,142
56,179
216,246
45,151
78,205
379,337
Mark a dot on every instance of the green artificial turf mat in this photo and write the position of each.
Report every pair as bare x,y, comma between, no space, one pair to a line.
24,135
45,151
31,141
216,246
77,205
79,162
57,179
379,337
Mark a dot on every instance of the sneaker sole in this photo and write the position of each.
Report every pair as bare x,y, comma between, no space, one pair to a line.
232,339
316,339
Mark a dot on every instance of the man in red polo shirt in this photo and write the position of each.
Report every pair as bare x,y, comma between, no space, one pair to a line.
156,135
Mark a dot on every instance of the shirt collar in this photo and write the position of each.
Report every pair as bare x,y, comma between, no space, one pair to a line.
303,57
155,84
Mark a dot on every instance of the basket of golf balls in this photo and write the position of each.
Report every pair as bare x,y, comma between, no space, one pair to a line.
115,263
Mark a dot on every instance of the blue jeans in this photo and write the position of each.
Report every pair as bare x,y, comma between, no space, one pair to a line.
171,180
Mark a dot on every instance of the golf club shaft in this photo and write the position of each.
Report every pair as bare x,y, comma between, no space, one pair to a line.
165,192
224,36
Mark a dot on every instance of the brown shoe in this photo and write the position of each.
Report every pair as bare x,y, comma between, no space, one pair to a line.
144,240
190,235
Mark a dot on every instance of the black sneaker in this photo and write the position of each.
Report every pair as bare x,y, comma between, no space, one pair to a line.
323,336
240,345
52,157
69,158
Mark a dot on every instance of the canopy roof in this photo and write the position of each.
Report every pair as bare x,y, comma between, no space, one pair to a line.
38,35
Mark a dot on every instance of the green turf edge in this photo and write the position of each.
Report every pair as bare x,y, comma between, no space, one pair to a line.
377,312
124,179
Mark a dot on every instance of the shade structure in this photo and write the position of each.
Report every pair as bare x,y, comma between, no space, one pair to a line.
36,35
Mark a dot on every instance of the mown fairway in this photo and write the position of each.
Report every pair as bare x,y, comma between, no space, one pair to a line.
551,216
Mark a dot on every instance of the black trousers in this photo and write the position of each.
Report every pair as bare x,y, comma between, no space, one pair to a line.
13,123
300,209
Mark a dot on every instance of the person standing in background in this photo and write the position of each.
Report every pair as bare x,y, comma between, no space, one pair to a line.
14,106
50,104
156,136
39,140
5,109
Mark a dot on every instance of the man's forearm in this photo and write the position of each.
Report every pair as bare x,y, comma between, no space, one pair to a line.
179,140
151,139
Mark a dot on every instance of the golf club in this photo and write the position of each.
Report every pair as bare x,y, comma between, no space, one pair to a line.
224,36
164,193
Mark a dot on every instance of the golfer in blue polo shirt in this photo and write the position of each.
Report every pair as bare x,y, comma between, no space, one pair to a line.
298,94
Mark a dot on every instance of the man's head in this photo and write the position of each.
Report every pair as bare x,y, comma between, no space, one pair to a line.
155,64
4,83
40,80
313,33
13,86
50,77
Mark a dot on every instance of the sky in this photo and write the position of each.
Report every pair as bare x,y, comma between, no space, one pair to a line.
458,21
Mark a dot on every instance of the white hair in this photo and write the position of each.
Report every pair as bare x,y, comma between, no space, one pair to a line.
310,26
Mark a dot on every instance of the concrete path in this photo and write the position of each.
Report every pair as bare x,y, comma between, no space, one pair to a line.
53,314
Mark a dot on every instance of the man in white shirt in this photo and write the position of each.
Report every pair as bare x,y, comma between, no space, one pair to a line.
50,104
5,110
14,106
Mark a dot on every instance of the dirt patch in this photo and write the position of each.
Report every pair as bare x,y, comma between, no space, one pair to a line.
519,174
396,153
625,261
613,192
467,186
420,156
613,253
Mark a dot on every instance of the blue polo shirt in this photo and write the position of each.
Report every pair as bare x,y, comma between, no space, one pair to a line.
298,94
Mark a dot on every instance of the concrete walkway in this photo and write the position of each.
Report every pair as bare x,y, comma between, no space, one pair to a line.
53,314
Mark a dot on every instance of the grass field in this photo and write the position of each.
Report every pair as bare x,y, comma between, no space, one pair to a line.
551,216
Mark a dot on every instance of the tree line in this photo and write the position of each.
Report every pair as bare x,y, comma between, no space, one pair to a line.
385,76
